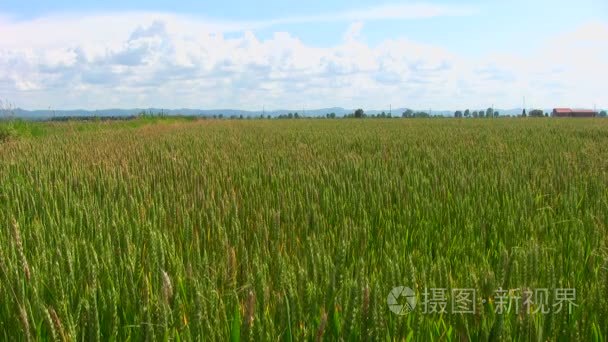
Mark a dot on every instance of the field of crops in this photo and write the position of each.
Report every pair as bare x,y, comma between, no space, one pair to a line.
299,229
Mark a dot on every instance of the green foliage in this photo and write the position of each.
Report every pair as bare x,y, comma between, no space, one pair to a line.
489,113
408,113
297,230
235,326
15,128
536,113
5,133
411,114
357,114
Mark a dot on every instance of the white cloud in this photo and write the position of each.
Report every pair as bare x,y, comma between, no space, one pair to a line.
175,61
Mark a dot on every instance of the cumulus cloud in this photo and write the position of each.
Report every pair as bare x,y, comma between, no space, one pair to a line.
109,60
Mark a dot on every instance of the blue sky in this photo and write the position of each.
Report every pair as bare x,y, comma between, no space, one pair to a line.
444,54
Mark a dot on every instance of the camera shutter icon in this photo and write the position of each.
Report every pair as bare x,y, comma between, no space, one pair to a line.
401,300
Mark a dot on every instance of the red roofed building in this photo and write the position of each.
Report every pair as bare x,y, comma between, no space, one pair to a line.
573,113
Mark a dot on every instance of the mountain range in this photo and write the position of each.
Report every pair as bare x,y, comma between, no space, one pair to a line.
119,112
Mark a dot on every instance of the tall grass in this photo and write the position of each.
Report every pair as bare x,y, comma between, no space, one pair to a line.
17,128
265,230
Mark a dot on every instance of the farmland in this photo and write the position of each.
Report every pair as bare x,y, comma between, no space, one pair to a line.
299,229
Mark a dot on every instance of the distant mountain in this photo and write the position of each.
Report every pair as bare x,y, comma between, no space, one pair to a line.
46,114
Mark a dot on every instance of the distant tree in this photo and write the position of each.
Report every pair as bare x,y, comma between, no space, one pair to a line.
496,114
536,113
296,115
421,115
359,113
475,114
467,113
546,115
290,115
523,113
457,114
603,114
489,113
241,117
408,113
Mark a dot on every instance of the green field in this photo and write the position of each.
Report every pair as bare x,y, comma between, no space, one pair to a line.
299,229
